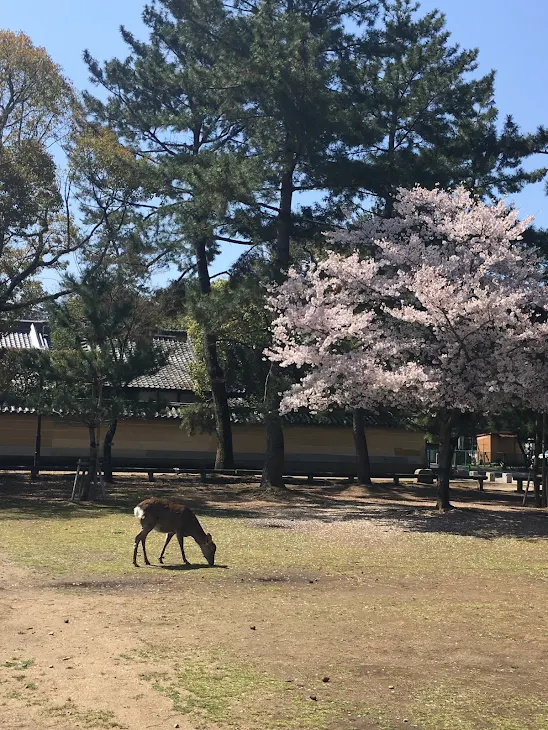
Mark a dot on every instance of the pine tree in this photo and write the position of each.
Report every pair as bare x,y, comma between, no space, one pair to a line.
102,337
436,121
171,104
291,55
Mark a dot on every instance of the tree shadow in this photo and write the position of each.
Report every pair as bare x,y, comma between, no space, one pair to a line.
192,566
486,515
522,524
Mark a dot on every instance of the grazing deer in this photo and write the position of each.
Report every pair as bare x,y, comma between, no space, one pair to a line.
172,518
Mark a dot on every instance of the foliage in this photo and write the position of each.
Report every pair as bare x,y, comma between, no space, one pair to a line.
36,104
288,68
35,97
288,71
23,377
197,418
447,301
170,104
216,126
112,185
102,339
238,316
435,121
39,114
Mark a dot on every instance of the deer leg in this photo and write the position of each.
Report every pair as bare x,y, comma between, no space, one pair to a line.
143,540
140,538
166,543
180,538
135,547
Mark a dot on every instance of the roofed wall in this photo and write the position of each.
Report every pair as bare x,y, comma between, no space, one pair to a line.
152,441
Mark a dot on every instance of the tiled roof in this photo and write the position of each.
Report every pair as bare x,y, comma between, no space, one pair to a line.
386,419
173,376
171,411
176,374
5,408
28,336
249,416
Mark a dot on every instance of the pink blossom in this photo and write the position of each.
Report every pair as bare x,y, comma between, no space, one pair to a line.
440,317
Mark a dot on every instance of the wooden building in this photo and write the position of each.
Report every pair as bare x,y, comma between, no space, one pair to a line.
312,444
502,448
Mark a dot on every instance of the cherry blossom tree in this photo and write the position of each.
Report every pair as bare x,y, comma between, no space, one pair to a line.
442,316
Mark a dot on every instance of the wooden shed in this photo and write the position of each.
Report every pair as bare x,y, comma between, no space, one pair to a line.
499,448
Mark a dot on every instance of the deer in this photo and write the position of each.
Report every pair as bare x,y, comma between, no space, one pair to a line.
173,518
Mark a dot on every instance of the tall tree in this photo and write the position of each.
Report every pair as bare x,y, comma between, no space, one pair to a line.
170,103
434,119
291,54
35,110
38,112
239,316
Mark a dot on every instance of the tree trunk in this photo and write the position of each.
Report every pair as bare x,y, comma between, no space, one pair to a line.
91,476
522,449
225,454
275,449
363,467
224,458
445,458
38,440
538,447
544,500
107,451
391,154
272,476
37,447
283,223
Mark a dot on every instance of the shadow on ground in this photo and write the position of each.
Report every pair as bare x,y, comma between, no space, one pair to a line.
485,515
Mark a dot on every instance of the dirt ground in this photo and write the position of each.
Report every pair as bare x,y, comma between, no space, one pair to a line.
329,608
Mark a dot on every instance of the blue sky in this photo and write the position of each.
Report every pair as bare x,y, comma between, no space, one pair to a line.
511,37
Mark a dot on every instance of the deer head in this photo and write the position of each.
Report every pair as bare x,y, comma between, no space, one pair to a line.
208,549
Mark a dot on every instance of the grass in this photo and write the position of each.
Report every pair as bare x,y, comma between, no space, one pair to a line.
18,664
68,711
444,709
99,543
219,689
408,619
102,719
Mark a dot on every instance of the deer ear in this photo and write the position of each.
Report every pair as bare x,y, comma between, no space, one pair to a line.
209,538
